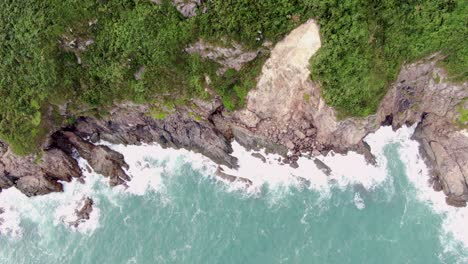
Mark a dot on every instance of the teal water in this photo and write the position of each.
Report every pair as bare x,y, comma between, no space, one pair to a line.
192,218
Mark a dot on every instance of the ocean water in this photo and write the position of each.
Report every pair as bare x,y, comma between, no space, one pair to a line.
176,211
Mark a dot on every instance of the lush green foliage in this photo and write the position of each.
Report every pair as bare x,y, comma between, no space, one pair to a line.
250,22
364,43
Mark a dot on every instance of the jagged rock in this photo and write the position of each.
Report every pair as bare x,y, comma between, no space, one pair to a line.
102,159
59,165
188,8
231,58
249,118
323,167
207,108
417,98
82,214
34,176
37,185
455,201
220,173
437,185
259,156
130,124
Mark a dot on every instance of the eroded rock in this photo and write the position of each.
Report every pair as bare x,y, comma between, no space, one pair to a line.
323,167
102,159
37,185
131,124
229,57
37,174
230,178
83,212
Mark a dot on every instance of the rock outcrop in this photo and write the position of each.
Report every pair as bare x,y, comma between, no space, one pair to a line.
422,94
230,178
229,57
188,8
285,109
83,212
284,114
132,124
36,175
1,218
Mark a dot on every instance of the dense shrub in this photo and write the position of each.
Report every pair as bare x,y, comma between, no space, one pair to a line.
365,43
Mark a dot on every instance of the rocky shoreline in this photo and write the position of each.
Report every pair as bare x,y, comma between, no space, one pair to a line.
284,114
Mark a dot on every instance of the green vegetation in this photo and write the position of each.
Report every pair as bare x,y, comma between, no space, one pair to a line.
234,85
364,44
463,119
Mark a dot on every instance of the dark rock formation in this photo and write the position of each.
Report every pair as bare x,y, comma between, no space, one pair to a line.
221,174
259,156
323,167
82,214
277,117
1,219
131,124
36,175
102,159
422,94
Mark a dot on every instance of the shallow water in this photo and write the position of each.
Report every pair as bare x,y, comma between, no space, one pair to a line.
175,212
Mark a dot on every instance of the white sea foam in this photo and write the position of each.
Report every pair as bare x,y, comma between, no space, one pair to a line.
346,170
10,219
149,163
359,202
53,209
454,228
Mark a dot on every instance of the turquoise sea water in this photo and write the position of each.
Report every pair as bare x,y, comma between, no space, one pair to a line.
192,218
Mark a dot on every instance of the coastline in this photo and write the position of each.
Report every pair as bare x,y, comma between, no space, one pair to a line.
277,117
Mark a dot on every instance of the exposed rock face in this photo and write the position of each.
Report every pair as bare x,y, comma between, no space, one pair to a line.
230,57
286,108
102,159
131,124
230,178
422,95
284,113
323,167
188,8
34,176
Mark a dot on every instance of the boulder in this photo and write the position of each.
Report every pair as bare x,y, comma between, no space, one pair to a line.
102,159
37,185
83,212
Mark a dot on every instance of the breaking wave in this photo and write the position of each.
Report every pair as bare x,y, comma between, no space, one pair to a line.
150,164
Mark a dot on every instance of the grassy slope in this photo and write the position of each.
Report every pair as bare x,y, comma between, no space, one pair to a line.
363,48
